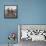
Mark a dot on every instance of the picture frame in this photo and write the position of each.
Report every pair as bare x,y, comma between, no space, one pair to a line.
10,11
37,29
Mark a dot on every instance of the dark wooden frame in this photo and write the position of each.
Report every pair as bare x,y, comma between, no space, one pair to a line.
16,12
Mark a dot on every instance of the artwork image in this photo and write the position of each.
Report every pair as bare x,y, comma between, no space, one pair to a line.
33,32
10,11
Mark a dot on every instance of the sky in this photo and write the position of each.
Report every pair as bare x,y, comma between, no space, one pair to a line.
13,7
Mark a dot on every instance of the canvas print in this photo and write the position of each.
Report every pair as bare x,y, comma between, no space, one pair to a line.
10,11
32,32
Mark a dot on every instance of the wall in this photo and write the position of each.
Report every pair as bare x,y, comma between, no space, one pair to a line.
7,25
29,12
32,11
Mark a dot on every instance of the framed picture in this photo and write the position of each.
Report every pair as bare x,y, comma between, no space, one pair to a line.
10,11
33,32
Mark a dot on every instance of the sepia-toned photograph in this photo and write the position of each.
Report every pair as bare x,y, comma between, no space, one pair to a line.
10,11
